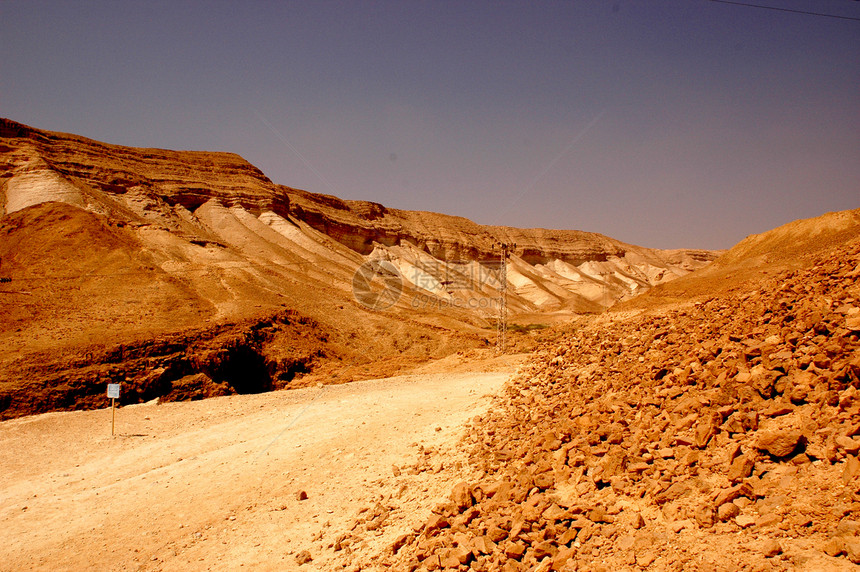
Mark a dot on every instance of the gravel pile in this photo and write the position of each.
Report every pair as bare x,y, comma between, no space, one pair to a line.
719,436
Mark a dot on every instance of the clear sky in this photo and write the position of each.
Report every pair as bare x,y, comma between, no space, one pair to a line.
664,123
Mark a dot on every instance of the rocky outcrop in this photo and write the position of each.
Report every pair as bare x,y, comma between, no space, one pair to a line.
220,199
217,360
361,225
38,166
550,270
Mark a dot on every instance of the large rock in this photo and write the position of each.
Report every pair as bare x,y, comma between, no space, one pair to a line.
780,443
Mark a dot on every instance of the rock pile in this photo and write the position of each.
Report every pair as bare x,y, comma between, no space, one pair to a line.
719,436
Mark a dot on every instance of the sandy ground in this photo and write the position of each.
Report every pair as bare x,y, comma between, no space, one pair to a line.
215,484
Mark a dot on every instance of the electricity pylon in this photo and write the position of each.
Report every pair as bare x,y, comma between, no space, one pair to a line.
502,323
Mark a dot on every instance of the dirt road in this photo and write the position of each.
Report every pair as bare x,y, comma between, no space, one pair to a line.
216,484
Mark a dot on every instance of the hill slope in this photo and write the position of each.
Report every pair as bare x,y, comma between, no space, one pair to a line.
792,246
725,433
107,247
551,270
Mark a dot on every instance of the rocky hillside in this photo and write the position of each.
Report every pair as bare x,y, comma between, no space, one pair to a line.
789,247
38,166
361,224
109,246
220,199
720,435
550,270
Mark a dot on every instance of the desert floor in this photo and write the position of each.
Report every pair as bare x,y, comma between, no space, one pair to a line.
217,484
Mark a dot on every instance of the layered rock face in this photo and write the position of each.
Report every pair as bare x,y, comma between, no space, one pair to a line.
445,263
106,245
551,269
39,166
362,225
725,432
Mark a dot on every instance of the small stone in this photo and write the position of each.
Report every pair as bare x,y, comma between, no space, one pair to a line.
675,491
568,536
638,467
834,547
770,548
448,559
303,557
544,549
514,550
728,495
483,545
703,433
496,534
767,520
645,559
705,516
562,557
741,468
777,408
851,470
461,496
301,495
399,543
744,521
728,511
543,481
555,513
847,444
462,554
852,549
435,522
598,514
679,525
848,527
667,453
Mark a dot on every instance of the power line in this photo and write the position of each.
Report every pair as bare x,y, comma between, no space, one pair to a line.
804,12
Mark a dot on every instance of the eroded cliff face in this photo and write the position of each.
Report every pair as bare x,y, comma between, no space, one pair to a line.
104,245
39,166
363,225
550,269
182,204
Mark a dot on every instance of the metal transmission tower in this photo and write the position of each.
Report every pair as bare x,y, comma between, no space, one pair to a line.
502,324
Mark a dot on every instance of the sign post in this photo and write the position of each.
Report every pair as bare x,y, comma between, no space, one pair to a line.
113,395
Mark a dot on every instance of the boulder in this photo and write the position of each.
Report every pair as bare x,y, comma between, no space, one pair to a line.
779,443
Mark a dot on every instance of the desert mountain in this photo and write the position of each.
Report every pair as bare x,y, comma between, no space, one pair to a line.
792,246
550,270
220,200
114,251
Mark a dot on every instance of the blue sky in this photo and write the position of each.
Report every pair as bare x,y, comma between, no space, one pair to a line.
664,123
